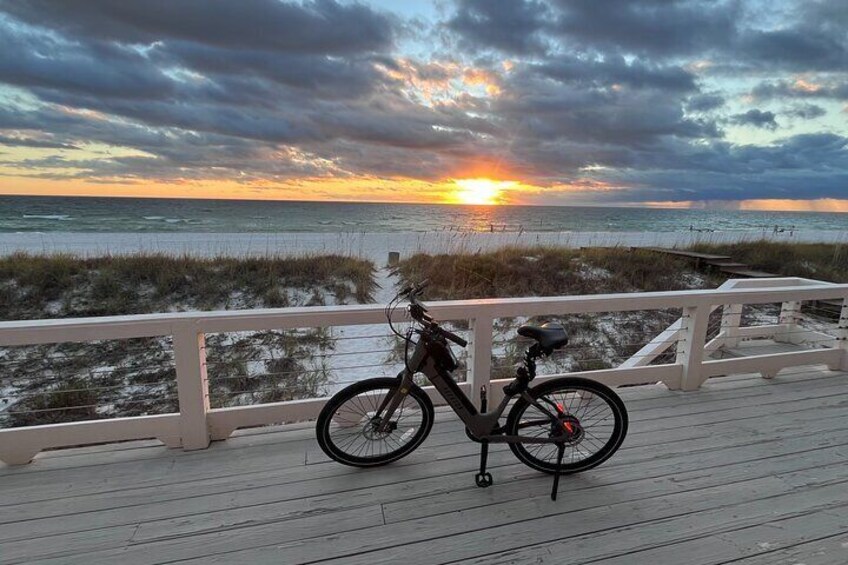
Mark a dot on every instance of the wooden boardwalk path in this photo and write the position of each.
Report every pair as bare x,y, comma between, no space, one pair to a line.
723,263
743,471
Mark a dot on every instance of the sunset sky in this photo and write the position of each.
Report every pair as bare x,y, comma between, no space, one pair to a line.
727,104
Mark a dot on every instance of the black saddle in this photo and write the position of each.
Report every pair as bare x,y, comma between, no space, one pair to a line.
550,336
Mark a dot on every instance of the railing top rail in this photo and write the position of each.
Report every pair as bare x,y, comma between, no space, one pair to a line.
147,325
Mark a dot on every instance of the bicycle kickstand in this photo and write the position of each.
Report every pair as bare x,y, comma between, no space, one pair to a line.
560,452
483,479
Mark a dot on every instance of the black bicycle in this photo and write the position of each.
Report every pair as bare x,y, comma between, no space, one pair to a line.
562,426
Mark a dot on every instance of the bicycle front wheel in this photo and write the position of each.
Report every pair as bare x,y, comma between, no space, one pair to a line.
591,422
348,426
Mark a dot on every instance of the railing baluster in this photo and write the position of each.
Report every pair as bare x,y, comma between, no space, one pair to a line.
480,356
192,385
690,353
789,311
731,319
842,335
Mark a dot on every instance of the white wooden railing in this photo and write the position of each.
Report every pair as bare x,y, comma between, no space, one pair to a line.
196,424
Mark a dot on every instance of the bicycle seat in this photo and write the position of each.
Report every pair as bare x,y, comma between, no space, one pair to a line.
550,336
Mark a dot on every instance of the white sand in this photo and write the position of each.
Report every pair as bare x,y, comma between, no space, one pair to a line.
374,246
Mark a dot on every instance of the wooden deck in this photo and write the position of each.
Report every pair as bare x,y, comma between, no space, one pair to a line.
743,471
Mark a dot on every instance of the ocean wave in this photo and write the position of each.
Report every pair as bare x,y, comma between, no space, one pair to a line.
169,220
47,217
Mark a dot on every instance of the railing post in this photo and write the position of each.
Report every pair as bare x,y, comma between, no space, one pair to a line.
789,319
480,355
842,334
192,386
690,351
731,319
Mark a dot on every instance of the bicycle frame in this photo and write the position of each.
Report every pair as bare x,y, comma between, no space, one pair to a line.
482,426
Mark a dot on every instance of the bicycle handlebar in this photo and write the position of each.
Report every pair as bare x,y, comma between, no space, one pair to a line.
452,336
419,313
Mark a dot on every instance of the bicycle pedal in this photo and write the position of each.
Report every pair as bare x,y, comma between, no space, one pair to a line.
483,480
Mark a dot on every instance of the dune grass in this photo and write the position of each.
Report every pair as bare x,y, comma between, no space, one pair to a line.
823,261
546,271
84,381
58,286
597,341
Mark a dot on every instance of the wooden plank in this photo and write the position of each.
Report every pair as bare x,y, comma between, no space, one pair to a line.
224,468
724,263
689,254
237,537
831,550
714,537
576,501
262,504
502,527
258,496
392,488
763,540
220,464
747,272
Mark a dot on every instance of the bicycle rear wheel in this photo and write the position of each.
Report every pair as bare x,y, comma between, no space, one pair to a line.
347,427
592,423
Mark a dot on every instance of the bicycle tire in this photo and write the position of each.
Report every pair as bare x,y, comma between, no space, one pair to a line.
602,448
354,448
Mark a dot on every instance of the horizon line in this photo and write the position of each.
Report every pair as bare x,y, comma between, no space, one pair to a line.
702,205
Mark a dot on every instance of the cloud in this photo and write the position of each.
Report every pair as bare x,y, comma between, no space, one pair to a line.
37,143
806,112
320,26
704,102
510,26
632,94
648,27
614,70
757,118
800,87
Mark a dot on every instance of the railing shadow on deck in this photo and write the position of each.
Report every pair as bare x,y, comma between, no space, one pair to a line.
711,320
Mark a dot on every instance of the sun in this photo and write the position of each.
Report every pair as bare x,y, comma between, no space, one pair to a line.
479,191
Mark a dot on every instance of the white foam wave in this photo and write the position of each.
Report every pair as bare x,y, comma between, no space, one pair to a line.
47,217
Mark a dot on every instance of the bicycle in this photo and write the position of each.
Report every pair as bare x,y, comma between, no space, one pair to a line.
380,420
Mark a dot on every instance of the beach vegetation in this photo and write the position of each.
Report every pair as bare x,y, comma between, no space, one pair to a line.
64,382
822,261
597,341
62,286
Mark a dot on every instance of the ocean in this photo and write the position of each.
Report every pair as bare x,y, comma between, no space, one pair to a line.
28,214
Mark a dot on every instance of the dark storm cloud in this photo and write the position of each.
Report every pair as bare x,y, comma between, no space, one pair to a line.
755,117
704,102
38,143
802,49
333,77
538,108
39,59
725,31
322,26
649,27
508,25
614,70
806,112
834,89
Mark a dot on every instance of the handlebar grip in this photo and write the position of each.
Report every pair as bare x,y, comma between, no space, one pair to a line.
454,338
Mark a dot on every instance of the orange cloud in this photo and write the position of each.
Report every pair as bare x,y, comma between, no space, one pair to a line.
761,205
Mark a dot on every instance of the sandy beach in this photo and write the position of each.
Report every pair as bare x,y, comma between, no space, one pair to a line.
375,246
